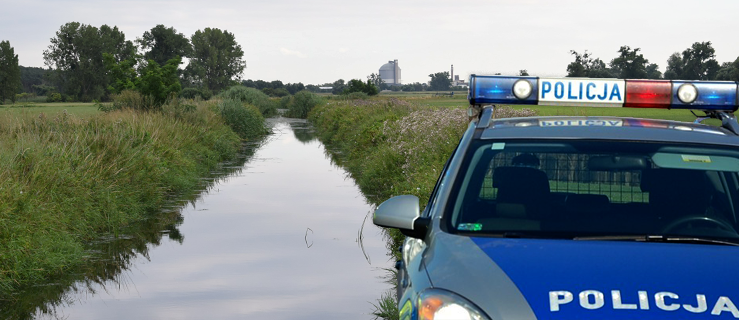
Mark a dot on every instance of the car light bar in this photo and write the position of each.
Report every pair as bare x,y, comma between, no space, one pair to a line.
665,94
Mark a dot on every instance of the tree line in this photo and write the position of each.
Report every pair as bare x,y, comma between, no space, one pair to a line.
86,63
698,62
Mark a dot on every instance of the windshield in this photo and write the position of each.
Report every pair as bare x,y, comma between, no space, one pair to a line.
595,188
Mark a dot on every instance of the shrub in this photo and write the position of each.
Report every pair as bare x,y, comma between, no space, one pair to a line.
194,93
357,95
355,85
245,120
280,92
54,97
302,103
190,93
285,102
252,96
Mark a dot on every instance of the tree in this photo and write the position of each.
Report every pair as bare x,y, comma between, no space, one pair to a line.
261,84
10,72
75,56
159,82
653,71
674,66
248,83
630,64
294,88
277,84
358,86
217,60
695,63
416,86
338,86
375,79
587,66
122,73
729,71
31,78
162,44
699,62
151,80
312,88
440,81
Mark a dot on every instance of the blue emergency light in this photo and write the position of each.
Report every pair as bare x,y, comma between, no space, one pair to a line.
632,93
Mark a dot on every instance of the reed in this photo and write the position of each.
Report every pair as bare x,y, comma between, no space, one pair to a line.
66,180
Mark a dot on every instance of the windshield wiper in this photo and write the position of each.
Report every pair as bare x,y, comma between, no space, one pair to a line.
659,238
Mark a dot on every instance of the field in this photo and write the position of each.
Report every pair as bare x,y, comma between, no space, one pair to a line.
459,99
80,109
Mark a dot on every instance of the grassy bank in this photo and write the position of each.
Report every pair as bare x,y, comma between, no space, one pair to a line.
67,180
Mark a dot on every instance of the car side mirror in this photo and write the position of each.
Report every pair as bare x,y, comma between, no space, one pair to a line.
403,213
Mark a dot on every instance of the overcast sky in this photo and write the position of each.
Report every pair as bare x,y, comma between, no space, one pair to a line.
321,41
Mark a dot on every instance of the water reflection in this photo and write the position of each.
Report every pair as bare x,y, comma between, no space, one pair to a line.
276,239
302,131
111,256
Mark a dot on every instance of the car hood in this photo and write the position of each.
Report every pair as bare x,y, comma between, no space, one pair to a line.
568,279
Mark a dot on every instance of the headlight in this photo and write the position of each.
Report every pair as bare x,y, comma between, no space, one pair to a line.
436,304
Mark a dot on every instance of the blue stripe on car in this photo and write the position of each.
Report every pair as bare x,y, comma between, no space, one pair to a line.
678,275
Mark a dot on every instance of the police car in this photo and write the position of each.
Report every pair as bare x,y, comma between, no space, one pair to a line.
579,217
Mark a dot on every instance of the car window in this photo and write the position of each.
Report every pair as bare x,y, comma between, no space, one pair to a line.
587,188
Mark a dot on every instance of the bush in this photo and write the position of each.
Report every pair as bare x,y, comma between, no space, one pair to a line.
245,120
280,92
194,93
252,96
54,97
357,95
285,102
302,103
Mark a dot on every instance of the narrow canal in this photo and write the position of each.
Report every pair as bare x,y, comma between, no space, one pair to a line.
287,236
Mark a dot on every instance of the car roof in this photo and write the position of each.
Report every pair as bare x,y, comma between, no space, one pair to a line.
606,128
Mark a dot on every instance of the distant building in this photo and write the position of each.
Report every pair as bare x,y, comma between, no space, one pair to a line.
458,83
390,73
455,80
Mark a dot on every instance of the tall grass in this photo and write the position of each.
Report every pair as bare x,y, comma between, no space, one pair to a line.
252,96
65,180
246,120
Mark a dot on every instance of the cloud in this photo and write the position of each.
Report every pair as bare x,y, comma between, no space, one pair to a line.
342,50
289,52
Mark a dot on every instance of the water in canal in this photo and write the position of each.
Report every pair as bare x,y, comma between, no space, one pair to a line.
282,237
